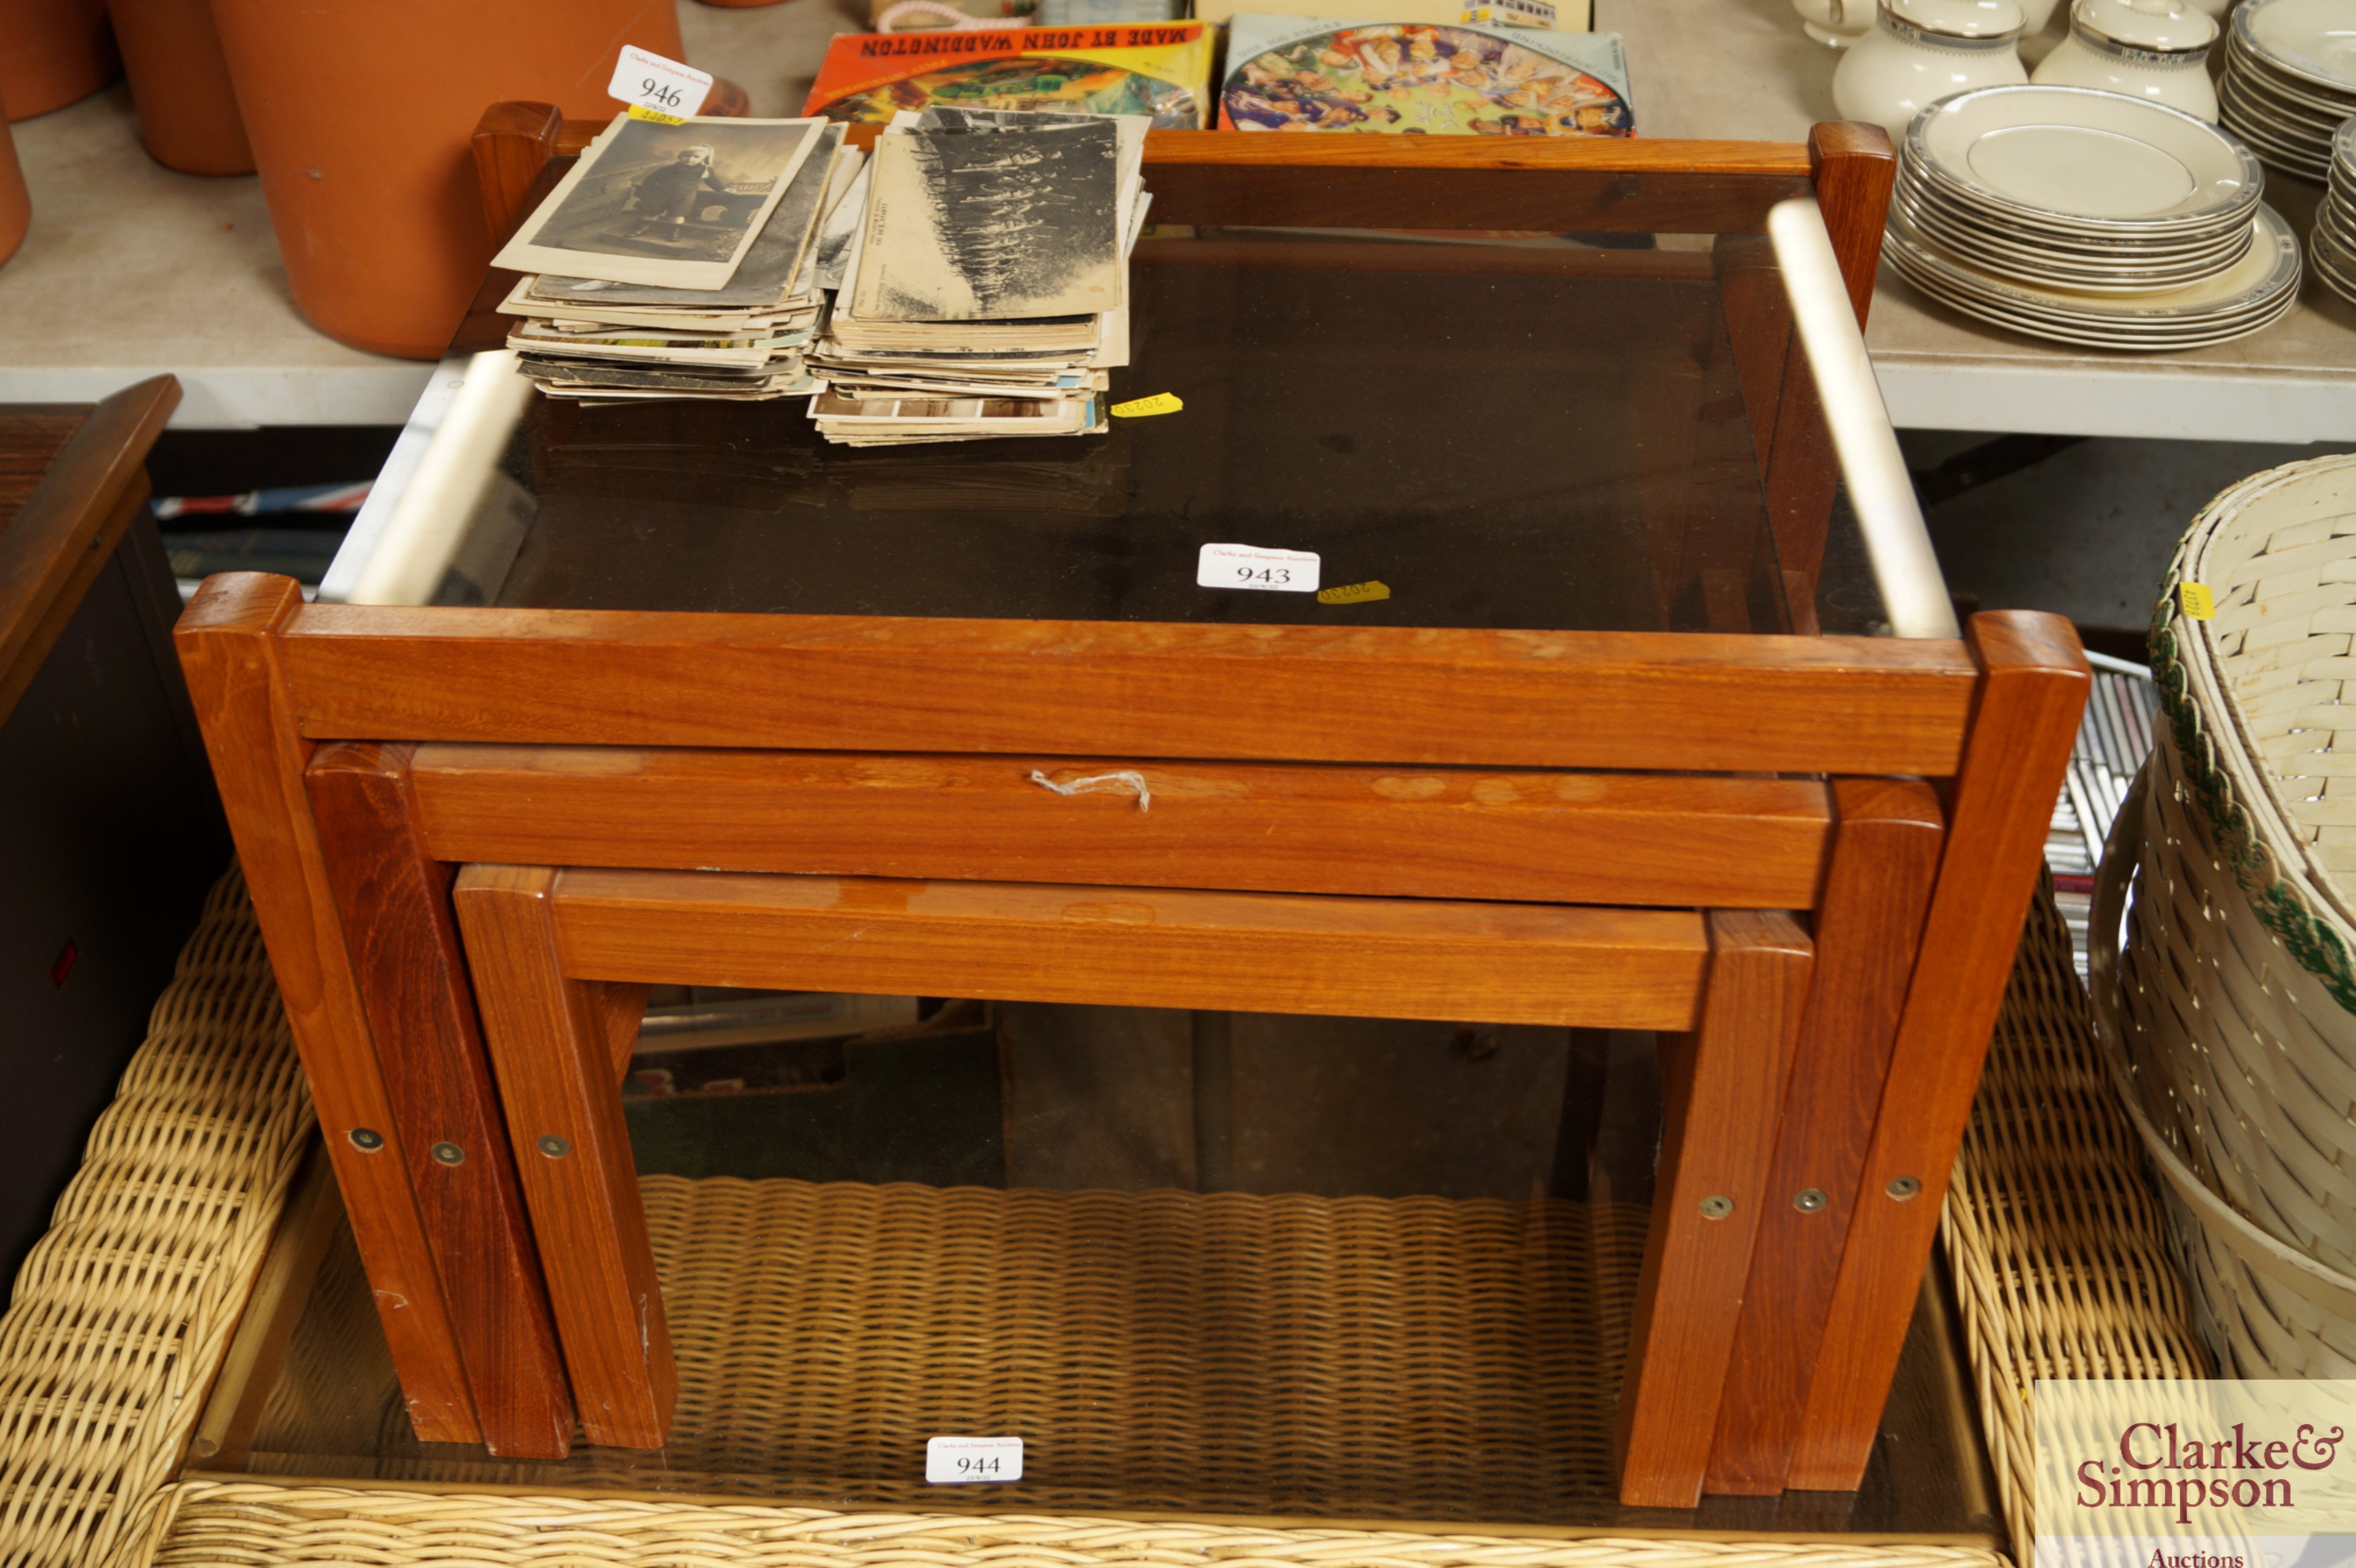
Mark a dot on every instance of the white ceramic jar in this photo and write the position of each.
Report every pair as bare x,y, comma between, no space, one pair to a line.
1838,22
1922,50
2048,25
2034,15
2157,49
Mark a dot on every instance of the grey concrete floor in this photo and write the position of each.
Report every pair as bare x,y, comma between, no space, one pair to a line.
2089,530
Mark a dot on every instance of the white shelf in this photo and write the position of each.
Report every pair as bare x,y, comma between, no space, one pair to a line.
1742,70
131,270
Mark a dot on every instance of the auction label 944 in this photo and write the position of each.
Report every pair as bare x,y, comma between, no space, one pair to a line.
954,1461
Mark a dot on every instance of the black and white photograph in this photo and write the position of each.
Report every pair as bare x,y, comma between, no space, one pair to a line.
984,122
966,227
667,205
765,276
839,227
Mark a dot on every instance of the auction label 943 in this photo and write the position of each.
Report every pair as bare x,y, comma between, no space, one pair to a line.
1251,566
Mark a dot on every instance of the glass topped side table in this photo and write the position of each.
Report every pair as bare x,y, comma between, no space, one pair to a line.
1663,724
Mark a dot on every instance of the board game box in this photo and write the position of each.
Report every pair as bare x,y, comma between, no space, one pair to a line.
1566,15
1301,73
1159,70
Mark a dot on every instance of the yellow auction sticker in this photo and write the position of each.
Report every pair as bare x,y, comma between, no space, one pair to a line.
640,112
1353,593
2198,602
1138,408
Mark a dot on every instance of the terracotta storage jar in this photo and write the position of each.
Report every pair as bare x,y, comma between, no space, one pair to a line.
53,53
15,207
179,82
360,113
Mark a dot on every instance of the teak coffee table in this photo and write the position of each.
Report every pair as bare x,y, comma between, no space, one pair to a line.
1664,725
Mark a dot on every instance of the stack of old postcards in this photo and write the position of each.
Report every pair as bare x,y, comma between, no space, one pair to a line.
679,258
982,284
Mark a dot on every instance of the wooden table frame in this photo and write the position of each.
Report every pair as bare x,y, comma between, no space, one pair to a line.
365,752
549,949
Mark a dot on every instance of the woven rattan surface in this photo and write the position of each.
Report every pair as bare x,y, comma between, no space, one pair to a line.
2052,1241
217,1523
123,1309
1418,1358
2053,1233
1224,1352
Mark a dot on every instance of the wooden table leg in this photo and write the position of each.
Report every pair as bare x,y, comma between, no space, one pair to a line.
1716,1149
228,645
1868,924
404,941
552,1043
2035,683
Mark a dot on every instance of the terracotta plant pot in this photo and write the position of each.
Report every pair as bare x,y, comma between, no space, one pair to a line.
53,53
15,207
187,112
360,112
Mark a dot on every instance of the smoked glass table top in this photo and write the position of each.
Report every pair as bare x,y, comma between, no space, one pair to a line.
1524,431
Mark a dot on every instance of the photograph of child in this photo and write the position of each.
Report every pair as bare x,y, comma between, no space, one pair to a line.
667,205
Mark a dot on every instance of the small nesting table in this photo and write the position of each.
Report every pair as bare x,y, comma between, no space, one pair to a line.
1664,725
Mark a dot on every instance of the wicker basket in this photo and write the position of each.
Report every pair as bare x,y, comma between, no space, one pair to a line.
2265,1309
2233,1010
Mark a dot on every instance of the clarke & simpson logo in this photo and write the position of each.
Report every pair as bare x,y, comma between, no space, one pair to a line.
2221,1473
2157,1466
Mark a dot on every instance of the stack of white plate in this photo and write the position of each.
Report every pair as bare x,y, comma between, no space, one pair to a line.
2290,79
2332,246
2088,217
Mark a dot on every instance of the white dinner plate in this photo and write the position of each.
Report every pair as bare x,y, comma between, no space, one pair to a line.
2307,159
2106,336
2248,291
2301,120
2334,264
2036,270
2252,285
2078,159
2102,340
2034,257
2292,113
1946,223
2316,128
2244,59
2314,40
2339,225
2269,138
2161,248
